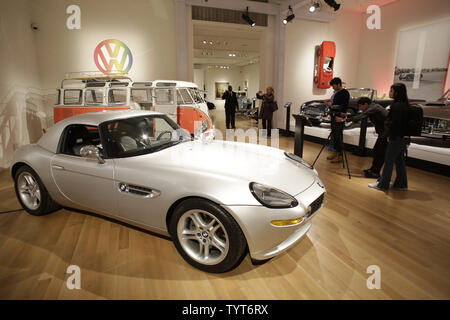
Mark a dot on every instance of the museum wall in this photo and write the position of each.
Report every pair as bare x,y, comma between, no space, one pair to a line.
251,74
39,59
235,76
378,53
302,37
21,104
213,75
146,27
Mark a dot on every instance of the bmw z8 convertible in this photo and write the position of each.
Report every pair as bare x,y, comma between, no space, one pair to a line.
217,200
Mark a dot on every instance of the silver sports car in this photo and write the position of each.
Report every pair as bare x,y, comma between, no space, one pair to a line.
216,199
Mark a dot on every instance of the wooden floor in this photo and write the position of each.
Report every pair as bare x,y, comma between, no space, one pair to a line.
406,234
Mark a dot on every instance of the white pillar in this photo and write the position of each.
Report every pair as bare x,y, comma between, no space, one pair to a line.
280,46
182,58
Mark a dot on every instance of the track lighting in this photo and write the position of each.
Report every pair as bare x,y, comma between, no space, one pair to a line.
314,7
290,16
247,18
333,4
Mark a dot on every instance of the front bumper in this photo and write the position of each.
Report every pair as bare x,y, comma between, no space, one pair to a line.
266,240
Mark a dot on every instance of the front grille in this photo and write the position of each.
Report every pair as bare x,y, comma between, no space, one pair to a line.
316,205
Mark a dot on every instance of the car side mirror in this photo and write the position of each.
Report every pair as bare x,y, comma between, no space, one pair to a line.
91,152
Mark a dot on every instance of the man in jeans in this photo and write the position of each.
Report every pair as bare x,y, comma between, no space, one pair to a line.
338,103
377,115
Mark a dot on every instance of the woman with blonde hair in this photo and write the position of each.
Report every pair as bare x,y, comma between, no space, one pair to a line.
266,112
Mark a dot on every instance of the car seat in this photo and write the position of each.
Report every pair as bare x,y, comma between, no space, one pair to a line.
78,138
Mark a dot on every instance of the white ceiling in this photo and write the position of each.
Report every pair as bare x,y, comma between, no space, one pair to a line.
227,39
244,41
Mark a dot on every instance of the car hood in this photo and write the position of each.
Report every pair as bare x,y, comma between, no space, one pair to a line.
242,161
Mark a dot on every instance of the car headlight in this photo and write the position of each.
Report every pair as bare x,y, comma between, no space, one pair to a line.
271,197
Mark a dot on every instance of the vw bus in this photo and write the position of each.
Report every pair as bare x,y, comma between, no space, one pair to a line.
180,100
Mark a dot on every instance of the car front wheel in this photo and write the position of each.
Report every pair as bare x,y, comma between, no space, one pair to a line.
31,192
207,236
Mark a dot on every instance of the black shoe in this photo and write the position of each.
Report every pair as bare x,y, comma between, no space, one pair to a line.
371,174
367,170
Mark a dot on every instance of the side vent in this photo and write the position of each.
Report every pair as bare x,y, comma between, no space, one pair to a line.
139,191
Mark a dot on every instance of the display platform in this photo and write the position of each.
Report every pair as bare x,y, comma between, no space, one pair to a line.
426,157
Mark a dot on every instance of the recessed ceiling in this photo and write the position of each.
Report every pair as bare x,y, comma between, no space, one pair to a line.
225,44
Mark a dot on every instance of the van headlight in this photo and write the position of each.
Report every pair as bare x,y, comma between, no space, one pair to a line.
204,125
271,197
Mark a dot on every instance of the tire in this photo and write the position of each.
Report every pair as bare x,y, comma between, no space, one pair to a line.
26,178
206,225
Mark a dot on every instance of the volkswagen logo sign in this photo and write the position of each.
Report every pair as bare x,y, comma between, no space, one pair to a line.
113,57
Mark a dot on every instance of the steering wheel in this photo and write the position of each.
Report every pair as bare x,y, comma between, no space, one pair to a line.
163,133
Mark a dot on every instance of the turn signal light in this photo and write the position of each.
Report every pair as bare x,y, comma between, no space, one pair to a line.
281,223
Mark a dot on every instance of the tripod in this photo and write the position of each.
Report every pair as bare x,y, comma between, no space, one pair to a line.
344,154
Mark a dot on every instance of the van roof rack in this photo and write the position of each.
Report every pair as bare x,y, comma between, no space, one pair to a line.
94,76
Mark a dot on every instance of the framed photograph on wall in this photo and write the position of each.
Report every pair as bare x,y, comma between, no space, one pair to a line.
422,60
221,87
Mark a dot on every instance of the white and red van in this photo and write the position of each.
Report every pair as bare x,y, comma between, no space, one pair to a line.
180,100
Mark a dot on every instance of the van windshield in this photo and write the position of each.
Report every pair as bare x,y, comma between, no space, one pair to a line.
183,96
196,95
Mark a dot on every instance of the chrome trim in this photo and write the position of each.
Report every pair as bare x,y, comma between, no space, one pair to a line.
138,191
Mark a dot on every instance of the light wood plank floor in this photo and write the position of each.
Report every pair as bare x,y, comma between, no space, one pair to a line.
407,234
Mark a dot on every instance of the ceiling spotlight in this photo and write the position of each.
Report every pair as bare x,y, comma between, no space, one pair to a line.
247,18
204,41
290,16
314,7
333,4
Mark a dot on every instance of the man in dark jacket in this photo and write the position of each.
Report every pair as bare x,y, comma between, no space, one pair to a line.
377,115
338,103
231,104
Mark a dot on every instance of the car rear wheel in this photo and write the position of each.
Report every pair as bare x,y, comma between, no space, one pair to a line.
207,236
31,192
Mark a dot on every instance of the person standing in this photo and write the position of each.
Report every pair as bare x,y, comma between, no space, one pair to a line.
377,115
266,112
338,103
396,126
231,104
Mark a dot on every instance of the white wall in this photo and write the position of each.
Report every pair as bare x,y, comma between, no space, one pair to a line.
302,37
35,62
251,74
235,76
146,27
213,75
199,78
20,100
378,53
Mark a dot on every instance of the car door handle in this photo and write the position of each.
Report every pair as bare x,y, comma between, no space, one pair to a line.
54,166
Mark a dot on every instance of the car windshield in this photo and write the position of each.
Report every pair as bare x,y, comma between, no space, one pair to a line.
141,135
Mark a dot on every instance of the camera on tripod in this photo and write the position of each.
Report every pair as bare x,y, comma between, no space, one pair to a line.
336,111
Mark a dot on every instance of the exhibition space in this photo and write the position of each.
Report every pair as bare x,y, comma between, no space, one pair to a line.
203,151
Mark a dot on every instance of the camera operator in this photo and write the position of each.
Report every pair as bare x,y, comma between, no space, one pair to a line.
377,115
338,104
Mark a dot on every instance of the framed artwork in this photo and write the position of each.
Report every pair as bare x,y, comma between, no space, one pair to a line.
221,87
422,60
